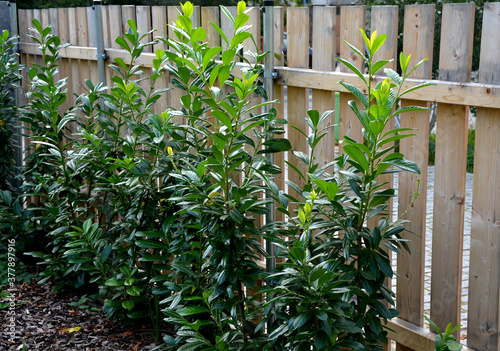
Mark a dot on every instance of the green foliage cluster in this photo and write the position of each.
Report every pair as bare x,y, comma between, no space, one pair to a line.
445,341
478,22
9,78
155,211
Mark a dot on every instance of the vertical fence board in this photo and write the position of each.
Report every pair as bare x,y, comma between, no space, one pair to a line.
484,284
92,35
128,12
44,17
159,21
384,20
418,38
226,25
211,14
323,45
175,94
82,26
254,22
83,40
37,14
53,20
143,14
352,18
105,27
65,66
451,154
23,25
195,17
115,24
30,15
72,30
115,30
74,77
173,14
62,24
54,23
298,98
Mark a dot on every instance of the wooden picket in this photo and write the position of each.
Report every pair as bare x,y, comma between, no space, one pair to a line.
484,282
453,94
297,97
384,19
323,43
418,29
451,154
352,19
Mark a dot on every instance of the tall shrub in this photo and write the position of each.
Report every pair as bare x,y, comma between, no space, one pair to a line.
219,189
330,292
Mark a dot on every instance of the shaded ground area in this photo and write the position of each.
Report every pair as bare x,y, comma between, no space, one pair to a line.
48,321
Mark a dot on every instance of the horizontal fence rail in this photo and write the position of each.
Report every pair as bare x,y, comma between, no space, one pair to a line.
316,32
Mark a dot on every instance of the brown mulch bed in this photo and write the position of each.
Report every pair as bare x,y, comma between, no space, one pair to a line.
41,317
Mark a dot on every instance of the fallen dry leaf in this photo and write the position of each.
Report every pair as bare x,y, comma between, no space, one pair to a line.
71,330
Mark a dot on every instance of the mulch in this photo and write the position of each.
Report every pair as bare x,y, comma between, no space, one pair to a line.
47,321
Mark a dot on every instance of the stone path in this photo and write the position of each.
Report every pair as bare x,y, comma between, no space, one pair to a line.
428,244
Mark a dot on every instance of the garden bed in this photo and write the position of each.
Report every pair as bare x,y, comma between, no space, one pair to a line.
44,317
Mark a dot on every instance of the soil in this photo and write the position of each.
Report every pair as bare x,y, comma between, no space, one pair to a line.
47,321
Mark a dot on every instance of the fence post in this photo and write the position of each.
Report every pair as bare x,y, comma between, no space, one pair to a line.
269,87
101,56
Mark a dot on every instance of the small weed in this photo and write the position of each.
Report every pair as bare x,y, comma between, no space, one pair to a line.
445,341
4,296
81,304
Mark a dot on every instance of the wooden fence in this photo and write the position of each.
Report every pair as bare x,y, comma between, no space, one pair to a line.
453,94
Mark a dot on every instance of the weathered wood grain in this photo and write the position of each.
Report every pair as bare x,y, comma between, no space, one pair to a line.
352,18
323,45
484,281
298,98
455,63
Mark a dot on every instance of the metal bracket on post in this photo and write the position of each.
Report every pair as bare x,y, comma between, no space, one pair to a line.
272,75
103,56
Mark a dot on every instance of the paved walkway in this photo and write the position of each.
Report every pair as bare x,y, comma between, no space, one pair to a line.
428,244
